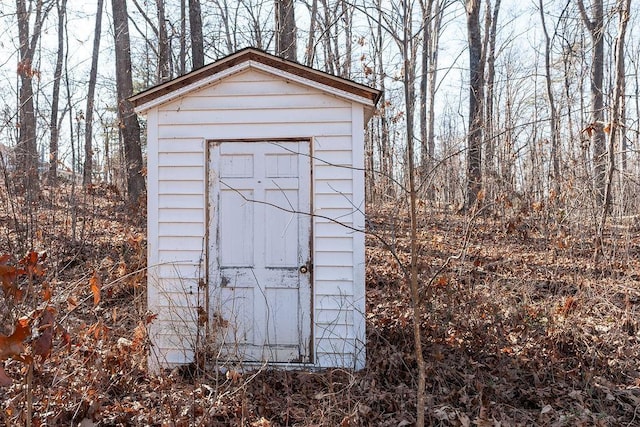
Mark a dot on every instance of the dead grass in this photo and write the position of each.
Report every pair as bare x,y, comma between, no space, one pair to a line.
520,328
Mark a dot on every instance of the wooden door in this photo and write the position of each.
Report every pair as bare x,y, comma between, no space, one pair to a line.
260,237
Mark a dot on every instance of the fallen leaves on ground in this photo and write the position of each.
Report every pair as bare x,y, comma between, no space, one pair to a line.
520,328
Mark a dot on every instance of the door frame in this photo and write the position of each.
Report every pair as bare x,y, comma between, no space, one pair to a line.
208,335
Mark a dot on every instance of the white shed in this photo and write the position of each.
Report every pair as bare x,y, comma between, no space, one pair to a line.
255,198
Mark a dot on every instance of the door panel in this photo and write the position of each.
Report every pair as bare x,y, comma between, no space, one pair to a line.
236,314
281,236
260,234
236,237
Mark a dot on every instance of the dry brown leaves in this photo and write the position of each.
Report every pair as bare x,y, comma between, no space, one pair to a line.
520,328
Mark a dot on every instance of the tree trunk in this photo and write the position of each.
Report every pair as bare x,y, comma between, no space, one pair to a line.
490,125
617,118
183,38
566,64
285,30
386,159
595,25
347,19
311,47
197,42
226,21
619,111
257,27
88,134
432,21
55,98
412,279
164,54
555,137
426,115
129,126
327,23
476,86
27,147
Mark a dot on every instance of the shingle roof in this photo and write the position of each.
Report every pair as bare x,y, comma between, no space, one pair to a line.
261,57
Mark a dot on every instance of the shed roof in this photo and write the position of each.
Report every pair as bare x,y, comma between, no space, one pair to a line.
246,58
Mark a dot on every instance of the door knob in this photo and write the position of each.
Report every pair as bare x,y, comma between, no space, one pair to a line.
304,269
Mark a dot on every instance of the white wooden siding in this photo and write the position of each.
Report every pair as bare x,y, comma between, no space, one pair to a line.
248,105
255,129
334,287
181,187
323,171
256,116
359,297
240,102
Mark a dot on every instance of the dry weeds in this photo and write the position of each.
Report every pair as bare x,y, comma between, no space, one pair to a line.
521,328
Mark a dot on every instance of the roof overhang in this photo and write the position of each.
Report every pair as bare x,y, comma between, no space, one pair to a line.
251,58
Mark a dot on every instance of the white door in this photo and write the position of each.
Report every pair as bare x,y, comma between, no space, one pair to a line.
260,238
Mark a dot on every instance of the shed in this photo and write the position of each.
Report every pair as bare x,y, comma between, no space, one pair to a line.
255,175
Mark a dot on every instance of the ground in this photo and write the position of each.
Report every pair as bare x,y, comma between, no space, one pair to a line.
520,326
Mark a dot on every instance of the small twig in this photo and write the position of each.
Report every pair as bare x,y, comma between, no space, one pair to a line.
635,413
29,394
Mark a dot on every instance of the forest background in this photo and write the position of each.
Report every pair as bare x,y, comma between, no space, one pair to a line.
547,84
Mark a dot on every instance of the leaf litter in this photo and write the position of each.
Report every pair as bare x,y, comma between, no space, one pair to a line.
519,328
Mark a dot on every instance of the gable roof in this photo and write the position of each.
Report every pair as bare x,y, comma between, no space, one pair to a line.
253,58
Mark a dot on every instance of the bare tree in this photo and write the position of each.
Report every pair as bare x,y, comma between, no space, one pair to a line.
258,31
182,55
407,42
476,90
595,25
347,20
88,134
228,19
129,126
164,53
380,179
326,30
432,14
617,116
619,109
285,29
150,44
61,6
570,61
330,45
491,28
553,113
309,54
27,147
197,41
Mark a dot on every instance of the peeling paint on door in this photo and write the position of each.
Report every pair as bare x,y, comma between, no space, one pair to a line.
260,225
